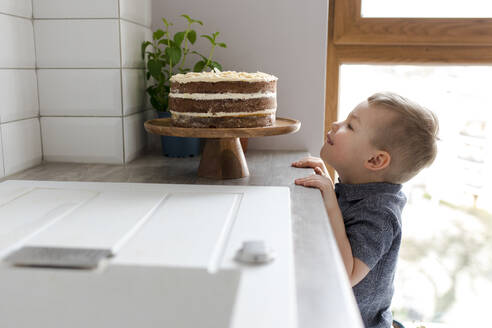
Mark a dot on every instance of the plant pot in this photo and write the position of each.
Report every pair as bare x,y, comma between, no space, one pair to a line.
179,146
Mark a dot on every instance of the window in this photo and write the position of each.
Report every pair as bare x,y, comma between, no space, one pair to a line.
446,65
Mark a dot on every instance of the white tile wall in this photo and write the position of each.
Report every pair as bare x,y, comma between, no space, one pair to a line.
89,69
18,94
133,91
16,7
132,36
139,11
77,43
2,171
17,42
83,139
135,135
21,145
75,8
79,92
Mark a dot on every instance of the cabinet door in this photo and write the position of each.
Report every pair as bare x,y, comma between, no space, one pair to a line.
156,234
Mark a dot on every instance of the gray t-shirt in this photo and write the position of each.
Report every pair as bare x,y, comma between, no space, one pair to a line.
372,216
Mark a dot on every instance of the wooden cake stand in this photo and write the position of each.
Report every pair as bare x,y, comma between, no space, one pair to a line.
223,156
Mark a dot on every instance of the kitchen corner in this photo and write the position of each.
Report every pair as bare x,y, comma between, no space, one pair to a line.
324,296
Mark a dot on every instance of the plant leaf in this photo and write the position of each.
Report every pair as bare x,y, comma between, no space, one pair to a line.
164,41
155,67
222,44
158,34
174,54
199,54
215,65
178,38
188,18
208,37
192,36
145,44
199,66
166,22
198,21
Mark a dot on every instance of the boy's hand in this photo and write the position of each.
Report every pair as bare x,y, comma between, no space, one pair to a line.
320,180
312,162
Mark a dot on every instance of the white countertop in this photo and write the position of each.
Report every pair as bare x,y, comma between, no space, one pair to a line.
324,295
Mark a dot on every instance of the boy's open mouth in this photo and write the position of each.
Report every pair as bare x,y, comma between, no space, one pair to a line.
328,139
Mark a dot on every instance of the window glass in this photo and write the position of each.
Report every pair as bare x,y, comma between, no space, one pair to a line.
426,8
445,264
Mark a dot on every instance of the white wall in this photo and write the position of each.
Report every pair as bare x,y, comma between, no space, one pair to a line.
286,38
91,78
20,137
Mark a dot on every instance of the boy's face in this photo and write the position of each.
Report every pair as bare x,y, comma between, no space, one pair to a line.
348,144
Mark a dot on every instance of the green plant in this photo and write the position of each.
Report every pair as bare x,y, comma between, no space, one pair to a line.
167,56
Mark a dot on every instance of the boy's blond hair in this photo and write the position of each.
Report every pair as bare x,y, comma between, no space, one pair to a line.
410,138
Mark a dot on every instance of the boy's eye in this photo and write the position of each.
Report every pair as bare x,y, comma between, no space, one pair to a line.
349,126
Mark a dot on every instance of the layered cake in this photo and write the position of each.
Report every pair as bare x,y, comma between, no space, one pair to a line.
223,99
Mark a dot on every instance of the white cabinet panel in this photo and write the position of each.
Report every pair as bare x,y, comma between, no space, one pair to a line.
79,92
101,223
75,9
197,219
152,230
77,43
122,296
27,211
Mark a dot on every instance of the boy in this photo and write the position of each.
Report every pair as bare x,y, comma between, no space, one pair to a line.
385,141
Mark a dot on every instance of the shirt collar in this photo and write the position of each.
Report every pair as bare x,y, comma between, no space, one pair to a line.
351,192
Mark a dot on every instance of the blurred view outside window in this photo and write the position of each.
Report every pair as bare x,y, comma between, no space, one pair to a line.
444,273
427,8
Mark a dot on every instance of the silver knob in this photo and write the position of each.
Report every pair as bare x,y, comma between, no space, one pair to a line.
254,252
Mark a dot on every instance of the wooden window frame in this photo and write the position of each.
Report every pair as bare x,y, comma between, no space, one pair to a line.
358,40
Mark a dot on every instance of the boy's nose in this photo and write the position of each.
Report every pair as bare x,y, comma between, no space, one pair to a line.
335,126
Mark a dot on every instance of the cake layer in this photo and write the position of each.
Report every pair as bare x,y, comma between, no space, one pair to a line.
251,121
224,87
218,76
221,105
211,96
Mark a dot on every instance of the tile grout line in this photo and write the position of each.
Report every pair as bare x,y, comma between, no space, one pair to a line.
86,19
37,81
16,16
72,68
121,84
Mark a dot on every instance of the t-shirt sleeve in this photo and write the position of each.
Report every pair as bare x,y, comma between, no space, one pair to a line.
370,235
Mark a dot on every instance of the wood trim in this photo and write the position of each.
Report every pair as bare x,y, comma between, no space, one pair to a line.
391,54
332,79
352,29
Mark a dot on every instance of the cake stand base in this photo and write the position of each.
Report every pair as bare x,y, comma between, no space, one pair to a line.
223,158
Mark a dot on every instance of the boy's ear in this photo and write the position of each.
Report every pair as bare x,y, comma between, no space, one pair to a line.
380,160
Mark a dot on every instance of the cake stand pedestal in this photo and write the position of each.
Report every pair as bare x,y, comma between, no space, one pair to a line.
223,156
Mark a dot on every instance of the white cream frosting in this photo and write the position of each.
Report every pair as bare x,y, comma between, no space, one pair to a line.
215,96
226,76
223,114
